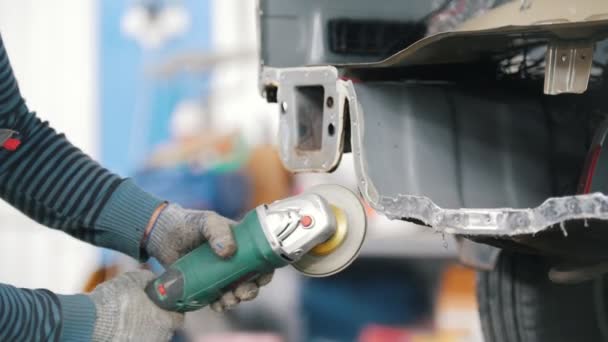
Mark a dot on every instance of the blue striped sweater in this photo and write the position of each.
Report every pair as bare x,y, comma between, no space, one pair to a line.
56,184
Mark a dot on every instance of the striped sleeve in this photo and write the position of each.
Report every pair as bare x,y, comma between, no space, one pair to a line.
40,315
29,315
46,177
56,184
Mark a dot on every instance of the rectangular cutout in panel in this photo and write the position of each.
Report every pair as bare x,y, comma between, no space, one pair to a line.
309,102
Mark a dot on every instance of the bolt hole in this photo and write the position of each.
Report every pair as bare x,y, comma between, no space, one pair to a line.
329,102
283,107
583,57
331,130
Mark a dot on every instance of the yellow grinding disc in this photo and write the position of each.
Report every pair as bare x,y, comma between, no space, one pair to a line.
343,247
335,240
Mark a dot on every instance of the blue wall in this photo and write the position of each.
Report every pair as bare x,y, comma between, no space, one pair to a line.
135,107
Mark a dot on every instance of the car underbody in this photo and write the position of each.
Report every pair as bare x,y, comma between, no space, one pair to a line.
460,130
484,119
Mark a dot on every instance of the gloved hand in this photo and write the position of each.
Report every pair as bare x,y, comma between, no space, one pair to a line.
124,312
177,231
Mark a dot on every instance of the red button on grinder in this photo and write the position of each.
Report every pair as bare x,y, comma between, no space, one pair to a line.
306,221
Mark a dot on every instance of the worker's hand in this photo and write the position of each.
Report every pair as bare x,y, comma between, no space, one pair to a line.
177,231
125,313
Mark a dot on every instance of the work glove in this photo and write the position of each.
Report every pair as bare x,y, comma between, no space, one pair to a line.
125,313
177,231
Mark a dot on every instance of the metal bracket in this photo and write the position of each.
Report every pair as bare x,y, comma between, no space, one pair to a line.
311,125
479,256
568,67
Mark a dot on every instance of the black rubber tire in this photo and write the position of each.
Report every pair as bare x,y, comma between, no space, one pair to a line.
518,303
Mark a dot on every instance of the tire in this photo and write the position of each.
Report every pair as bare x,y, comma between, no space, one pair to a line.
518,303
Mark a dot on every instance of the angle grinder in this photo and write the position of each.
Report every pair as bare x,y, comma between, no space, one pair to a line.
319,233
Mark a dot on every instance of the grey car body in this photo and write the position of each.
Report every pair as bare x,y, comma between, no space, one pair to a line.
437,137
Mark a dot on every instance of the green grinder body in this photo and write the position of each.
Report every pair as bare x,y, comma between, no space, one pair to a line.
200,277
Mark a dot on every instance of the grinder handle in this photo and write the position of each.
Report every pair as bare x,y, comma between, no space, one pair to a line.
201,277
